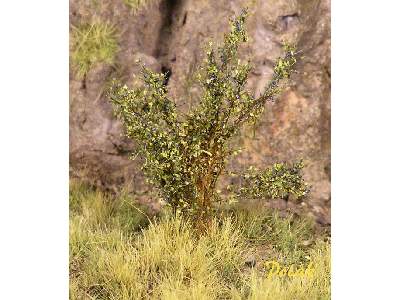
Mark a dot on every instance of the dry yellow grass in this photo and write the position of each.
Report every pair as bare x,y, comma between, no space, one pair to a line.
111,258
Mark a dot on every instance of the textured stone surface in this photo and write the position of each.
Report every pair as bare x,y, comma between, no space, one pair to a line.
169,35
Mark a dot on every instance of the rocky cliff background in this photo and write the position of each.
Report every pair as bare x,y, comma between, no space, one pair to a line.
168,35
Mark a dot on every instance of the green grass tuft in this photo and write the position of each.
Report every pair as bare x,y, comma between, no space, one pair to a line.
91,44
136,5
286,239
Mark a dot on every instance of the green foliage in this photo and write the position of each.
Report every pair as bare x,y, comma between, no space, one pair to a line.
278,181
184,154
92,44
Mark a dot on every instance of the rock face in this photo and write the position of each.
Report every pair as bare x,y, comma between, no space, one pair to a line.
169,35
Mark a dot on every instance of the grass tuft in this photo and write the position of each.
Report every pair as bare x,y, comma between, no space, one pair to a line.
316,287
97,210
116,253
91,44
136,5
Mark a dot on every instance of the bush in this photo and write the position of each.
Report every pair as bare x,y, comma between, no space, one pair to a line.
185,154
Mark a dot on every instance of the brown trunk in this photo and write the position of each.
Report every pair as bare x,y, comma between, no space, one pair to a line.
203,213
